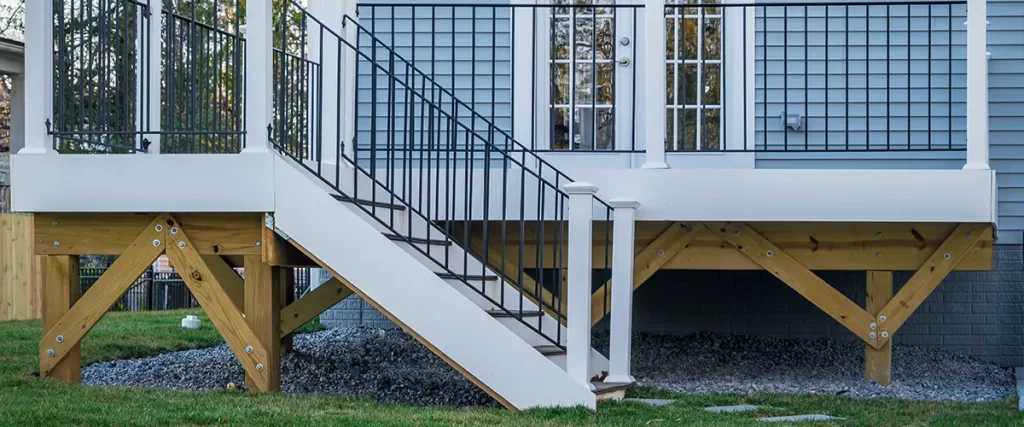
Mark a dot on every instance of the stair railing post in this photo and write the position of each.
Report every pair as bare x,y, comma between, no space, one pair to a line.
38,76
623,226
977,85
324,49
654,84
580,263
348,73
259,33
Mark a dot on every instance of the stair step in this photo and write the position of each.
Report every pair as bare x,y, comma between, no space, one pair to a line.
468,277
417,240
549,350
515,313
365,202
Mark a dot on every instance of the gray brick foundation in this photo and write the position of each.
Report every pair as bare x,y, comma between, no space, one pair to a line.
975,313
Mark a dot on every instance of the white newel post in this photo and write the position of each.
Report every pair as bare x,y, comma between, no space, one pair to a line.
38,75
622,290
977,85
155,77
258,69
581,216
349,75
329,12
654,89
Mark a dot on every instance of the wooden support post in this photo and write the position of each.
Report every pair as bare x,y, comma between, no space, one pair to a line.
62,290
262,313
878,361
287,289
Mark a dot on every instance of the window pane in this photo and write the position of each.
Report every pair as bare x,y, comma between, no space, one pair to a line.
712,84
712,38
711,132
560,129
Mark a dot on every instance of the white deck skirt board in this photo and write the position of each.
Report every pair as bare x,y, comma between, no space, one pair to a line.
415,296
143,183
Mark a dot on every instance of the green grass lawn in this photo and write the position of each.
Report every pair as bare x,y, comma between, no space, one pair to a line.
27,400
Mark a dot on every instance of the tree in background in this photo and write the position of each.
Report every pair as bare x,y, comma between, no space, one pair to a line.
12,26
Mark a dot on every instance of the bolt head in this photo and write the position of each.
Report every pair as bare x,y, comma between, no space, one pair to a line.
879,234
736,232
885,334
968,234
946,255
248,349
55,223
56,243
259,366
661,252
181,245
156,242
159,228
878,254
769,253
49,352
873,326
258,243
60,338
174,230
881,318
872,335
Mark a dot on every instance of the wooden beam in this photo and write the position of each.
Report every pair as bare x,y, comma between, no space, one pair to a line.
262,313
797,277
62,290
878,361
504,402
648,261
110,233
228,279
312,304
228,320
121,275
961,241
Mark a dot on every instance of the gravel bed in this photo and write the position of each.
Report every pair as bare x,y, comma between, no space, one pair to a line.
732,363
387,366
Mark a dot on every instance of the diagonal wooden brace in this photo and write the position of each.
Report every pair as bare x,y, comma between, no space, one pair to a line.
89,309
312,304
218,306
228,278
797,277
928,277
659,252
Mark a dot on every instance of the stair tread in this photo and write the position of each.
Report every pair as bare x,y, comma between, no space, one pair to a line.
419,240
549,350
366,202
514,313
475,277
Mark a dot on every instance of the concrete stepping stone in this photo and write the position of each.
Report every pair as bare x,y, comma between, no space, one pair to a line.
809,417
652,402
730,408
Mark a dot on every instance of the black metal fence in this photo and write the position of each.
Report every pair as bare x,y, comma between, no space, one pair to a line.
155,291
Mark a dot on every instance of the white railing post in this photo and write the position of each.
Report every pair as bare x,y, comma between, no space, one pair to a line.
977,85
323,49
348,73
258,73
580,266
17,113
622,290
38,76
654,84
155,76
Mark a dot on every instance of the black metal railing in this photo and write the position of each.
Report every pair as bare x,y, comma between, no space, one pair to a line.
457,181
551,72
297,118
103,77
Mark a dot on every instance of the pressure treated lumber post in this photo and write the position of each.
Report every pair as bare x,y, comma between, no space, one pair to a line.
287,290
263,315
622,290
61,290
878,362
581,213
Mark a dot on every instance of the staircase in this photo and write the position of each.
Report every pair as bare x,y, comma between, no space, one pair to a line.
433,223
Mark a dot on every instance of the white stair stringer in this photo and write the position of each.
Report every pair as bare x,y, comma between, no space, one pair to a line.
408,292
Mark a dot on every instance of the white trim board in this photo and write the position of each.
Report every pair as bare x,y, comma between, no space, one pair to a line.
143,183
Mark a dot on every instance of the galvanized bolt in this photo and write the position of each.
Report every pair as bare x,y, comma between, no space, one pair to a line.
156,242
181,245
736,232
49,352
248,349
873,326
55,223
769,253
881,318
872,335
885,334
968,234
56,243
878,254
661,252
689,228
60,338
258,243
879,234
946,255
259,366
159,228
174,230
